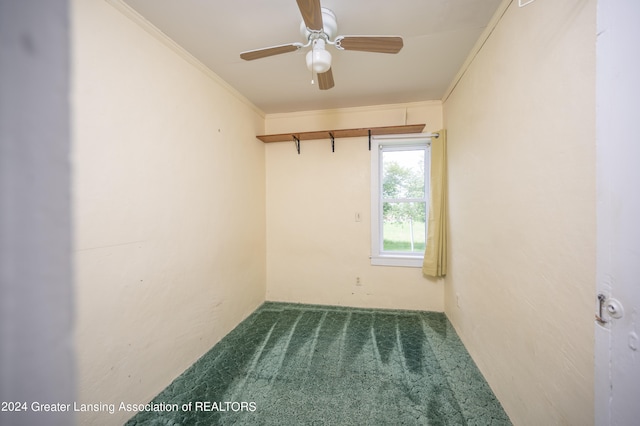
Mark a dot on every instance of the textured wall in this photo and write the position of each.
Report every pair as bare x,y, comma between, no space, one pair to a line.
520,291
315,249
169,209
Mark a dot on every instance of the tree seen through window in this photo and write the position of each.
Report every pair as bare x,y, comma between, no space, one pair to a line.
404,200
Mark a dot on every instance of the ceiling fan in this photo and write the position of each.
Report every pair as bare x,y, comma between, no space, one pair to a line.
319,26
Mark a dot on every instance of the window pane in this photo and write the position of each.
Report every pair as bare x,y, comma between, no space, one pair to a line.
403,174
403,227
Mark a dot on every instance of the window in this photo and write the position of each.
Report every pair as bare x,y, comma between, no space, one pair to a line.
399,199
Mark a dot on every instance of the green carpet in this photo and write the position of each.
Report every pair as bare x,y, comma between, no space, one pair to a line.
292,364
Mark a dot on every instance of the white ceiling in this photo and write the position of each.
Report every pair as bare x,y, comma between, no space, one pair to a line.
438,35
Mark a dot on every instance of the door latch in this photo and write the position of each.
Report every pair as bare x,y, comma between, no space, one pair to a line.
601,299
613,308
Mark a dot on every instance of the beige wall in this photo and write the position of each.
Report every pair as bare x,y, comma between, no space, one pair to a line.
520,289
169,209
316,251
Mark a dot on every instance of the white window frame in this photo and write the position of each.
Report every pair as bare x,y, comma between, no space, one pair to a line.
378,143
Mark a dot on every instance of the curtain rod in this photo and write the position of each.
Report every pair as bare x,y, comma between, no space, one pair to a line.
409,136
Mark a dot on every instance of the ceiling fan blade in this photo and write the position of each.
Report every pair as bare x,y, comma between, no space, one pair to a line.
270,51
377,44
325,80
311,13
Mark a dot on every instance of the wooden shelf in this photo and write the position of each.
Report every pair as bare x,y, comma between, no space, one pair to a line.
342,133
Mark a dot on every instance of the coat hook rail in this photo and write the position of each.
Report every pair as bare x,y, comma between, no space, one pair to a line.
344,133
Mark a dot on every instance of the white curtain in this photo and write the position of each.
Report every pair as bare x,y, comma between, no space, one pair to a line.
435,256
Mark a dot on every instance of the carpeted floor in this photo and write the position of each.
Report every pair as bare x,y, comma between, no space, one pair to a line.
316,365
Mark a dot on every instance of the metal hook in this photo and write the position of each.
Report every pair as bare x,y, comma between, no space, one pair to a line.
601,299
333,142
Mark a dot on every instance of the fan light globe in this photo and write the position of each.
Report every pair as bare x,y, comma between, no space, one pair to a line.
318,60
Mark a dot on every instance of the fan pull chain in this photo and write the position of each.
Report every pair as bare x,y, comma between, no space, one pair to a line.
312,59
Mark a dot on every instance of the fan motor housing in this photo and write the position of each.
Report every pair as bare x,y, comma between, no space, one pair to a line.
329,25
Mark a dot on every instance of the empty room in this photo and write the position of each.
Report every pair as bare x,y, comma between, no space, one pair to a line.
321,212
